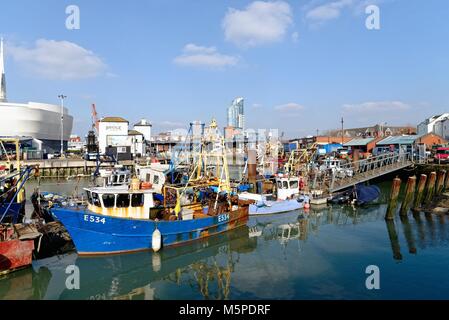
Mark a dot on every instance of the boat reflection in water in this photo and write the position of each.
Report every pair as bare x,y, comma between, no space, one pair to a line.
296,255
130,276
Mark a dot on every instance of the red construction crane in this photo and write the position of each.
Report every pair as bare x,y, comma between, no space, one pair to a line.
95,121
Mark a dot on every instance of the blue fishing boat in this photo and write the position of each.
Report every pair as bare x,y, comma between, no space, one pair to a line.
121,220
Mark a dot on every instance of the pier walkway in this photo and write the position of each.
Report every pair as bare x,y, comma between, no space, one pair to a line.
353,173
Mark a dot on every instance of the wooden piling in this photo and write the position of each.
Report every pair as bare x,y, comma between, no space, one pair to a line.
409,193
430,188
446,183
440,182
420,192
393,203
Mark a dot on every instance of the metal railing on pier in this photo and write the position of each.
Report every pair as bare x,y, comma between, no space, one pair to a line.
346,175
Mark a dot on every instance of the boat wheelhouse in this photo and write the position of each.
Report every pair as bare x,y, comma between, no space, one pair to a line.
287,187
117,178
154,174
120,202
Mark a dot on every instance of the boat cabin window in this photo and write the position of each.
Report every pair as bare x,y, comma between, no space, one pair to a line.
137,200
294,184
121,178
89,197
285,185
114,179
108,200
279,185
156,179
96,199
148,177
122,200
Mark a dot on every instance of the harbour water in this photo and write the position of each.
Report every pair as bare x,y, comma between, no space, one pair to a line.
322,254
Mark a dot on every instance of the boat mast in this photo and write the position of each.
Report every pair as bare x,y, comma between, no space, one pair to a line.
224,182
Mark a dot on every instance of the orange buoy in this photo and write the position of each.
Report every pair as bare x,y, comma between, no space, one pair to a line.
146,186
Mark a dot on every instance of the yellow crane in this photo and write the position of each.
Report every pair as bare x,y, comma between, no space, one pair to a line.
300,157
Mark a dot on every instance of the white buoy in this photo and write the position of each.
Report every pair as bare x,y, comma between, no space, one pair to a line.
156,242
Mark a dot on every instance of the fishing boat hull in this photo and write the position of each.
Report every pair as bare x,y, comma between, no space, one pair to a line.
274,207
95,234
15,254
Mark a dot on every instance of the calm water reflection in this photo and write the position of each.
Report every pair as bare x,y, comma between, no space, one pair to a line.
322,254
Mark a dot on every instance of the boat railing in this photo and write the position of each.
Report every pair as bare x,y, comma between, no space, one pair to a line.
24,176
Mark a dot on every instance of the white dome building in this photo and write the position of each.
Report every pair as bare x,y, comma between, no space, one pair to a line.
32,120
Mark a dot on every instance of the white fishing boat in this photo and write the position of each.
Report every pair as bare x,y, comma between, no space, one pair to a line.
265,204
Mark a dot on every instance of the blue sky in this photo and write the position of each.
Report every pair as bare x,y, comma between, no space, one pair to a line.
301,65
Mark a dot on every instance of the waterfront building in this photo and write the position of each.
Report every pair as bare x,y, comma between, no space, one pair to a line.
115,138
378,130
236,114
137,142
438,124
75,144
113,132
411,143
328,143
35,121
144,127
166,141
364,145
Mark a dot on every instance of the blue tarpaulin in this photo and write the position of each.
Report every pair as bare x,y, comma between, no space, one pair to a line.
367,194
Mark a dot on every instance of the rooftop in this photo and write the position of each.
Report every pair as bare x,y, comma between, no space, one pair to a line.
134,133
143,123
113,119
399,140
359,142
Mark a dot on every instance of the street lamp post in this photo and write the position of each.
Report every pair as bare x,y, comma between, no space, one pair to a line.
62,97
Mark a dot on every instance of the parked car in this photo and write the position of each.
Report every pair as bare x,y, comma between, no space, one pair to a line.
442,155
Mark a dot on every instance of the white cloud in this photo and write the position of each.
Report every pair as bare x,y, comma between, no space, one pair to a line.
295,37
290,108
199,56
376,106
171,124
60,60
259,23
328,11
